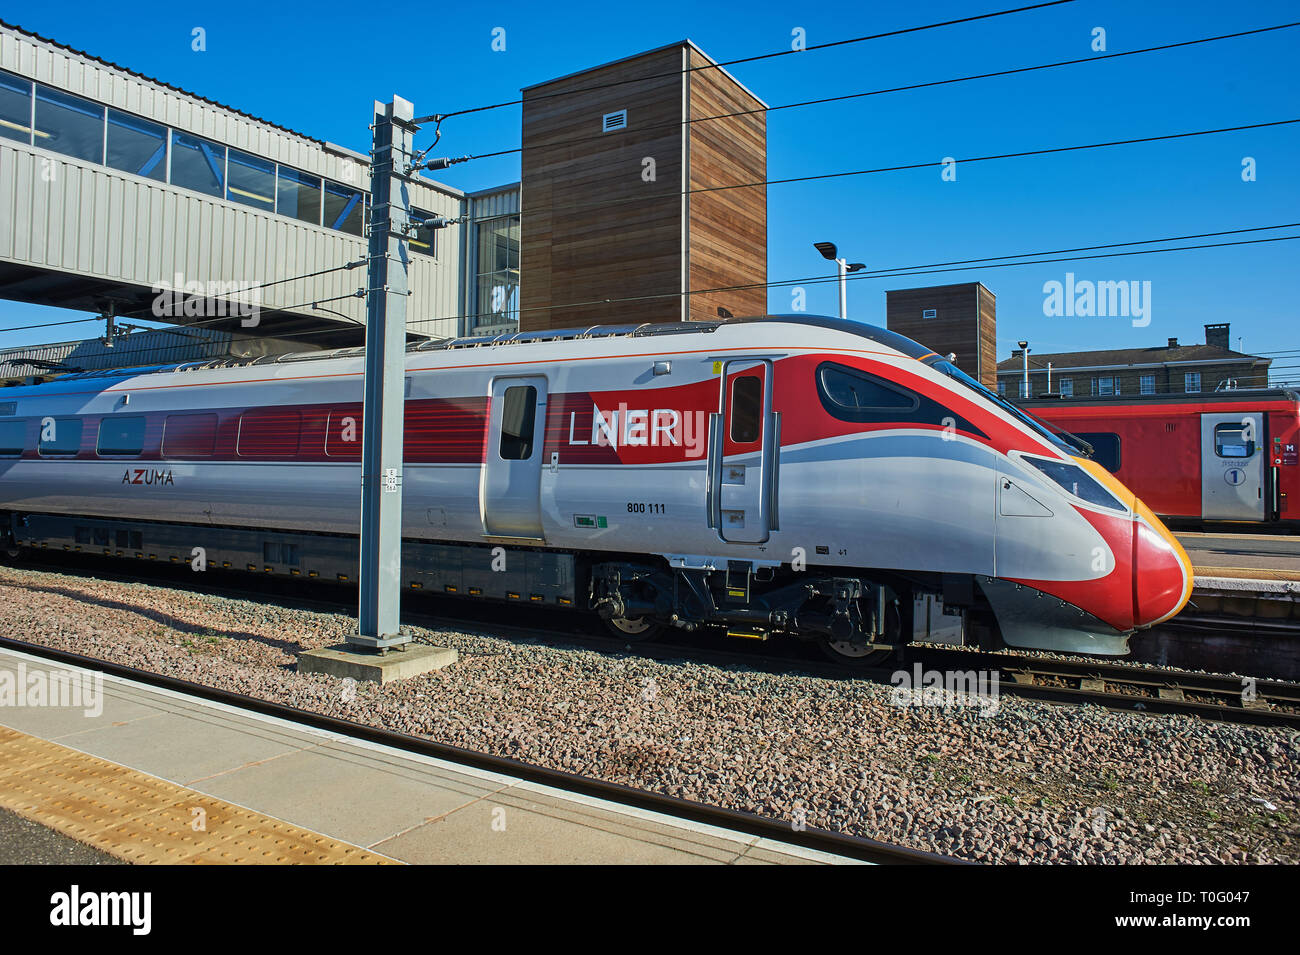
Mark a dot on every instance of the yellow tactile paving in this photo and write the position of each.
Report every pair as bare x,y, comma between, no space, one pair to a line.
144,819
1246,573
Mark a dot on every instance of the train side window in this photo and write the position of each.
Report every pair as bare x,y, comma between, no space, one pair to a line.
852,395
269,433
60,436
1105,447
343,433
746,408
1232,441
121,435
189,436
518,419
13,436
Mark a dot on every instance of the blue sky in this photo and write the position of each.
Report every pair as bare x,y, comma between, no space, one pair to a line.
315,70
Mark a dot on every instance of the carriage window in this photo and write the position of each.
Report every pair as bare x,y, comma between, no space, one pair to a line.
13,435
518,417
121,435
1234,440
746,408
852,395
189,436
1105,448
270,433
60,436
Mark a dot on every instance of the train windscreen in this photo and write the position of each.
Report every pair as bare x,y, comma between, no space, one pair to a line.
1064,440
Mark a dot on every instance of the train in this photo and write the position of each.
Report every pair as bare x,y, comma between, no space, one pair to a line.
776,476
1230,456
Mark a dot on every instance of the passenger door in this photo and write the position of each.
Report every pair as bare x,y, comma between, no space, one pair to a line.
510,489
1232,467
742,453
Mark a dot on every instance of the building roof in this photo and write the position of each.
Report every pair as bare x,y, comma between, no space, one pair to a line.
1125,357
687,43
157,82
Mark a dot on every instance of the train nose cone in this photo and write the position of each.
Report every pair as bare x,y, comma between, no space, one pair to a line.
1162,574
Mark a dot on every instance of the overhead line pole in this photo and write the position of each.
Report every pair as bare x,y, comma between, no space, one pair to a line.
383,416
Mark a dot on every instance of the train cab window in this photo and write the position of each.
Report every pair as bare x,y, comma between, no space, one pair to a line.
1234,440
1105,448
269,433
518,419
121,435
853,395
13,436
60,436
189,435
746,408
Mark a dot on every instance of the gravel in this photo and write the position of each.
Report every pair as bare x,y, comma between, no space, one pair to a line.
1025,782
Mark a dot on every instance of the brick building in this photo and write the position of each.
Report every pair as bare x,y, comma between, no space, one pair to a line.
1169,369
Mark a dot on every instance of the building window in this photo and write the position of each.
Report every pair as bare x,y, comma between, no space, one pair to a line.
15,108
298,195
69,124
1024,388
424,240
497,279
137,146
198,164
251,181
345,208
1066,387
1192,382
1147,384
1002,387
1103,386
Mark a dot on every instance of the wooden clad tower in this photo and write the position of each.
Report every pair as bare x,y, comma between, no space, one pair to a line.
610,194
950,319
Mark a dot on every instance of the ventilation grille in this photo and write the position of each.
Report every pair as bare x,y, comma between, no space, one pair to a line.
613,121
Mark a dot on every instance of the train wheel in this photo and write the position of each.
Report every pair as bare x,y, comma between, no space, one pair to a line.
852,654
634,630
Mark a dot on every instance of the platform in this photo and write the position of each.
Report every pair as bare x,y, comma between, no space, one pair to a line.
129,778
1269,554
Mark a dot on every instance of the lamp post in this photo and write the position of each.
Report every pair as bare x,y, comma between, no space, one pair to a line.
1024,352
828,251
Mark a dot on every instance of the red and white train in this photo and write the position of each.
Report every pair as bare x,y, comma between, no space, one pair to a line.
1227,456
785,474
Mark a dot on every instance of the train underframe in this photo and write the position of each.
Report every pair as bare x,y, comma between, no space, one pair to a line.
857,616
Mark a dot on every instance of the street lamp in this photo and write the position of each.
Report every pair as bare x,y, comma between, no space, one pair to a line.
828,251
1024,352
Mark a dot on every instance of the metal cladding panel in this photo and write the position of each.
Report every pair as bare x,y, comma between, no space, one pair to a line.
504,202
95,221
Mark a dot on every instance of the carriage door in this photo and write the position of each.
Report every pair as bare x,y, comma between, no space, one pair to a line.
741,453
510,490
1232,467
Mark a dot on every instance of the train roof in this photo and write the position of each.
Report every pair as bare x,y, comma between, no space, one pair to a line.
879,335
1044,406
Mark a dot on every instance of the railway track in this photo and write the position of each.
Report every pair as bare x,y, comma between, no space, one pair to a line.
1129,687
776,830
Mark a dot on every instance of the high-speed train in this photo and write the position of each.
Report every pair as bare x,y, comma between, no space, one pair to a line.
787,474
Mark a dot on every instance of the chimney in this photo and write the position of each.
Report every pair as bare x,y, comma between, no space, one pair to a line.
1173,343
1017,353
1218,335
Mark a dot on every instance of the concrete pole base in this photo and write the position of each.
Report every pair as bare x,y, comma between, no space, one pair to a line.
345,661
